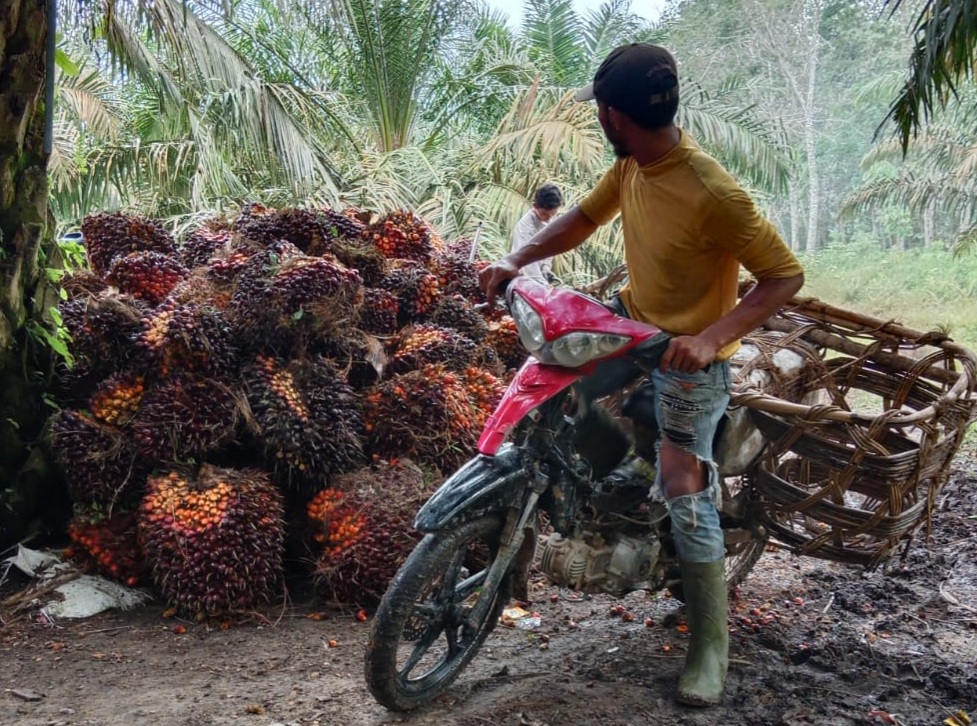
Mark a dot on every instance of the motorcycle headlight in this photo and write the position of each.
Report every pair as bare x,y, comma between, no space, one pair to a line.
528,323
575,349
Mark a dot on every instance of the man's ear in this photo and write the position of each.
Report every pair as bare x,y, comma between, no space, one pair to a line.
614,117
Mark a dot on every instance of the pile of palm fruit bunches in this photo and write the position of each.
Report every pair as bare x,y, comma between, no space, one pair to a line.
285,386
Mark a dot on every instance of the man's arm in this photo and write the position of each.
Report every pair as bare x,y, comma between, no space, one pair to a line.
561,235
690,353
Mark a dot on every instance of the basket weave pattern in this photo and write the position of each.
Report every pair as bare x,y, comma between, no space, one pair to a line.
856,474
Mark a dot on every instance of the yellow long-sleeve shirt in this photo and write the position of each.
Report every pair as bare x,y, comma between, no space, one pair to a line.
687,228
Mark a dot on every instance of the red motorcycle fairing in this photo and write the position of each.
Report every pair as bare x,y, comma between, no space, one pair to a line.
533,384
566,311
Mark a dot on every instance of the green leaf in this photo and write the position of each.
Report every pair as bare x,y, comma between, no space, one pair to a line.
297,315
65,64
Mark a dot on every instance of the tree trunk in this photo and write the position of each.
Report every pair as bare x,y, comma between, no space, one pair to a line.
795,215
929,225
810,133
23,227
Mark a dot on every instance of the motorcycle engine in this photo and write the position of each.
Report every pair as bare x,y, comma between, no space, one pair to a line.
616,565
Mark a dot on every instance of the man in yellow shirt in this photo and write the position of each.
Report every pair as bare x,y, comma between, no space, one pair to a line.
688,226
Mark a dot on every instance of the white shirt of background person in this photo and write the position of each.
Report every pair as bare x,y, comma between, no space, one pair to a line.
532,222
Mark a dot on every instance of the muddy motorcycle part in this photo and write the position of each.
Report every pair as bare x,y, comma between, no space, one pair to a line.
484,484
427,628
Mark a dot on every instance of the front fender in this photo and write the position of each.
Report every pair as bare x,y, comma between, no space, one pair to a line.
484,484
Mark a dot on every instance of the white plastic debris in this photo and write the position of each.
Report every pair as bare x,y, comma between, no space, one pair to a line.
81,596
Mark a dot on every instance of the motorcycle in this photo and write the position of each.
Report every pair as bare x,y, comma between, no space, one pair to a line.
549,453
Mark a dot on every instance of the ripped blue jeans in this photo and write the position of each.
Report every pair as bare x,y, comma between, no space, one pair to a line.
688,409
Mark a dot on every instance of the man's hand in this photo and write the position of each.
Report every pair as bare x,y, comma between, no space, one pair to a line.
492,278
688,354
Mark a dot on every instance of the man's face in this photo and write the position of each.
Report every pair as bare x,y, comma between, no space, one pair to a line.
545,214
614,136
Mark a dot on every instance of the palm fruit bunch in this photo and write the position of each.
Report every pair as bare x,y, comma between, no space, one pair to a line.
102,328
485,390
378,315
419,345
456,275
99,462
108,236
82,283
309,420
425,415
416,289
226,266
360,256
364,524
184,416
402,235
214,541
304,228
342,225
456,313
116,401
503,336
147,276
190,338
200,288
106,543
202,244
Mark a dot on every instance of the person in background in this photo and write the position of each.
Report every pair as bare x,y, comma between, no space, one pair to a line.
688,226
546,203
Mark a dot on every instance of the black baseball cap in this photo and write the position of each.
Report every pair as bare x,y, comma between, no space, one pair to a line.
633,78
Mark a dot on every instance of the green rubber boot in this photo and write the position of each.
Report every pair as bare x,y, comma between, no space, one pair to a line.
706,606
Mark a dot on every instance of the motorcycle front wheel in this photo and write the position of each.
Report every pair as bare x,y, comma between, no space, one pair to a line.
424,634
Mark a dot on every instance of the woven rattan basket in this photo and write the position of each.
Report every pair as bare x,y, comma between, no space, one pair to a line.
854,476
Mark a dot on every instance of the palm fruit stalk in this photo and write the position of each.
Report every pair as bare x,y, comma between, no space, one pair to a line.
106,543
108,236
214,540
307,418
183,417
102,328
419,345
363,527
425,415
99,462
147,276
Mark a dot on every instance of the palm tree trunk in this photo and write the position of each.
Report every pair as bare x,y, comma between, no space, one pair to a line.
794,206
23,226
929,225
810,134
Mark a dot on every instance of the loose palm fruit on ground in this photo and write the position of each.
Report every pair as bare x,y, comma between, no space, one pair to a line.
214,540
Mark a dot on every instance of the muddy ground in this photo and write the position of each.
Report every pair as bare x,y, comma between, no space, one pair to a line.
845,647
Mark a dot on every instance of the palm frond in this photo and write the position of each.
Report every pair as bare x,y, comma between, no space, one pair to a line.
552,30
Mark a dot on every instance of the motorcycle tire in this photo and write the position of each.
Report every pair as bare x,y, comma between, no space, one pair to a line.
422,637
